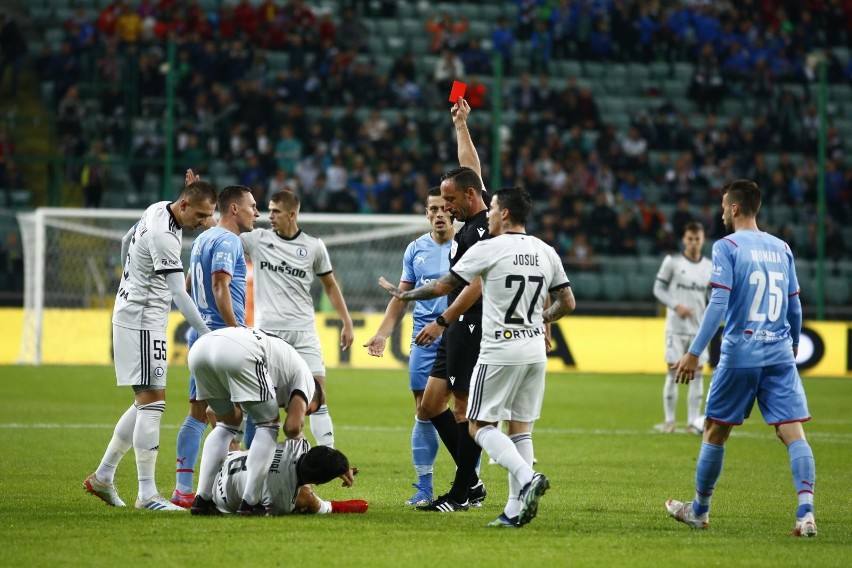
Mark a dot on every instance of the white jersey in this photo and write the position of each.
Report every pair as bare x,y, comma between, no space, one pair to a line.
288,371
144,300
236,352
518,271
688,283
280,487
284,270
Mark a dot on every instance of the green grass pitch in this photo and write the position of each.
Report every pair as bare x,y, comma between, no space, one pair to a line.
610,474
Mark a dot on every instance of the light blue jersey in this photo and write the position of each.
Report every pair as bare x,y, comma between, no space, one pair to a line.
757,268
218,250
424,261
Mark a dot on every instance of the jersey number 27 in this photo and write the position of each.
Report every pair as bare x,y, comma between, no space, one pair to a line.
511,281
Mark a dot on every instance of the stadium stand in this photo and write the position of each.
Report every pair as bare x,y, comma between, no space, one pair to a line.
680,97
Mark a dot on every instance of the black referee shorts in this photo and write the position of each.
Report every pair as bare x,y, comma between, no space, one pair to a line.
457,353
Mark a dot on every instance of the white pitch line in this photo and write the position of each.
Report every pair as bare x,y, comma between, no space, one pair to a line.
843,437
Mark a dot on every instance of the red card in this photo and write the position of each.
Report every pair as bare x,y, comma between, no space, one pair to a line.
457,91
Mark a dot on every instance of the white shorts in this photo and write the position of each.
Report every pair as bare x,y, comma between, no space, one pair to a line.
306,344
140,356
506,392
677,345
226,370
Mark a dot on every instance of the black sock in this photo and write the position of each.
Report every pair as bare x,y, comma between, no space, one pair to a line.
445,424
468,454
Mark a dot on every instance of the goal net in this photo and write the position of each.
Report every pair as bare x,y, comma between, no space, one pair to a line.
72,268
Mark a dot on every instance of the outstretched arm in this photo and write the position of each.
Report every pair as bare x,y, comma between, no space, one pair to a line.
434,289
335,296
307,502
466,150
393,315
468,297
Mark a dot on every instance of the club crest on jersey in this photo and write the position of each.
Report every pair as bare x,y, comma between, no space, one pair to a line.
302,252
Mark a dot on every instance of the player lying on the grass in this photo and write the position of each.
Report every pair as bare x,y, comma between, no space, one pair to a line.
287,487
240,369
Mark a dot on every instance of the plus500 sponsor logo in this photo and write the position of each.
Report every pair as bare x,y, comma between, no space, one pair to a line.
283,269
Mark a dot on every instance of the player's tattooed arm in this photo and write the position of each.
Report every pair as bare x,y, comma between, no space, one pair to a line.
563,304
434,289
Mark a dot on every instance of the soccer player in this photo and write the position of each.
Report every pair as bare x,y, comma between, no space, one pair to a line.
517,272
425,259
287,486
284,262
240,369
756,292
682,285
152,279
217,282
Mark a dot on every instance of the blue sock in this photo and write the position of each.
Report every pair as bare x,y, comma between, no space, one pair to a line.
188,446
249,433
707,473
804,475
424,450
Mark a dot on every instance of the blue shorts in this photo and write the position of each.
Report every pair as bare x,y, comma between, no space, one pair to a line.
420,365
777,389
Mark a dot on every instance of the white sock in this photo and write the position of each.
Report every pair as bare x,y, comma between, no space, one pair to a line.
670,396
321,427
503,451
212,455
122,440
694,399
259,459
146,445
523,443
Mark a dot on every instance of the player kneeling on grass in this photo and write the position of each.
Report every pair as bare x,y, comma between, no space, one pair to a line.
287,487
240,369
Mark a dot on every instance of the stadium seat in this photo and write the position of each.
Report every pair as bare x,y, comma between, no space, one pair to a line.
585,285
837,292
640,287
805,267
843,268
491,11
621,265
808,288
614,287
20,198
779,215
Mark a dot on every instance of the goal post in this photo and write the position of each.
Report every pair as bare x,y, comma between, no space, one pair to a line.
72,265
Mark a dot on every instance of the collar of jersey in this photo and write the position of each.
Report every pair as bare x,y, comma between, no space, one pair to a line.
172,215
293,238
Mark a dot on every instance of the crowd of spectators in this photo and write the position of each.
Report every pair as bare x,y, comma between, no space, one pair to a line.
245,116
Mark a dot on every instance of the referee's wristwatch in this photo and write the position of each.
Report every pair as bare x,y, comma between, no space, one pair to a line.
441,321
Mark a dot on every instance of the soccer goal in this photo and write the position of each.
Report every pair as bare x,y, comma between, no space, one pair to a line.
72,266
